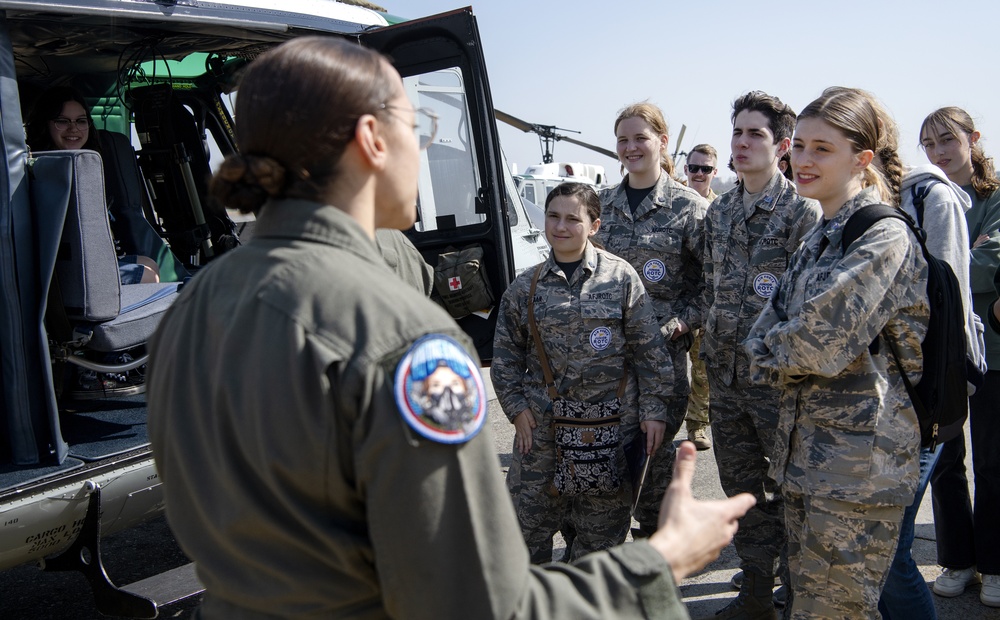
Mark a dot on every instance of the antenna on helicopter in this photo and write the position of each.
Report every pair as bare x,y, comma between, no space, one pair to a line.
547,136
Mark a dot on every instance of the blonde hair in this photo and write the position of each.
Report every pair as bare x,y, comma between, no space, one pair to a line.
654,117
854,114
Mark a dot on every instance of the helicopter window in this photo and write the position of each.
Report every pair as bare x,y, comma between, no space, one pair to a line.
529,193
449,172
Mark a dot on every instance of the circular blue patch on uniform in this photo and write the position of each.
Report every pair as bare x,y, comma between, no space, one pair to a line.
764,284
654,270
439,390
600,338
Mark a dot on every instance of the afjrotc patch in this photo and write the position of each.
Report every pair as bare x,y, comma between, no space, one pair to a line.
764,284
439,390
654,270
600,338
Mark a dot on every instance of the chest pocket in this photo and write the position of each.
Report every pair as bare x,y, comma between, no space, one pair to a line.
720,246
770,251
661,242
609,310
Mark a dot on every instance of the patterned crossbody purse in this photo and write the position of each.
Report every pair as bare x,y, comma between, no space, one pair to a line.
587,435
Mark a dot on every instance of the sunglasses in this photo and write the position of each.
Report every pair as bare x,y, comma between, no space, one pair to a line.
695,169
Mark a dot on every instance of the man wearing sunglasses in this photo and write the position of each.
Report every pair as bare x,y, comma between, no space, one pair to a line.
700,170
750,233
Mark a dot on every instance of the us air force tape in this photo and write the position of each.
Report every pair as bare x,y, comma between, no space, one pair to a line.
439,390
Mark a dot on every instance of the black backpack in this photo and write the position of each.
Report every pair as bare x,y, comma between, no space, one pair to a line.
941,398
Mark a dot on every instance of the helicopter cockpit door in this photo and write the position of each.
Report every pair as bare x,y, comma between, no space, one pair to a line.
462,199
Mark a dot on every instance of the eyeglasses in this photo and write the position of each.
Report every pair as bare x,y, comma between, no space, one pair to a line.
425,124
695,169
62,124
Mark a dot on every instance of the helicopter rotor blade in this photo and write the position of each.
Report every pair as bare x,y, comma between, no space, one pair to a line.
680,138
596,149
513,121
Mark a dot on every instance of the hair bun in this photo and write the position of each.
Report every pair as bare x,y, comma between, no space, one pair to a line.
245,182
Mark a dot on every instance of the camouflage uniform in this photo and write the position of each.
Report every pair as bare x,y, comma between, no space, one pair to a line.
603,294
663,241
846,454
746,251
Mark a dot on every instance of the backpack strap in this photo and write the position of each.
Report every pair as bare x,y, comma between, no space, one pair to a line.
919,193
863,219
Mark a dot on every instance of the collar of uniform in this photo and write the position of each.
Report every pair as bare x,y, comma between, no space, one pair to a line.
589,257
833,231
589,262
658,197
312,221
770,194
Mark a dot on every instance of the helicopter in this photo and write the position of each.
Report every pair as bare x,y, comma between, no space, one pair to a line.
535,183
76,463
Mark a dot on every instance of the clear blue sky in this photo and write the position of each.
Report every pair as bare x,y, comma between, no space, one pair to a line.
575,64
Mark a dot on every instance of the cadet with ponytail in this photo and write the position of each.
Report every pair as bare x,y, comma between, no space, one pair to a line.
846,456
656,224
968,538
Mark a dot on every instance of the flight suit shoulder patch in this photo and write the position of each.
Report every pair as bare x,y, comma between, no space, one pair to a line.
439,390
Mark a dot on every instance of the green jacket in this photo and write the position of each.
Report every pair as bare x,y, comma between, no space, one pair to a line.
984,219
291,476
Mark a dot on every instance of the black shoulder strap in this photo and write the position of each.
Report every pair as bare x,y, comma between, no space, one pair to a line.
864,218
918,193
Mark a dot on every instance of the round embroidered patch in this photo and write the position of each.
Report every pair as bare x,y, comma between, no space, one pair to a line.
764,284
600,338
439,390
654,270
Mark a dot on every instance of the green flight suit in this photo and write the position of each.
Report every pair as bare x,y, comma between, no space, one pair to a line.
291,476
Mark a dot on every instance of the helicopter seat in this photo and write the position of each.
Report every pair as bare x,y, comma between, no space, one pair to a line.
130,208
89,310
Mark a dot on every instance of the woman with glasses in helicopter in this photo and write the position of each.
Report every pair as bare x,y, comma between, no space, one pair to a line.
60,120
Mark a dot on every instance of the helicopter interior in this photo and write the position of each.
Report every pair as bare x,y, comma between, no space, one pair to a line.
160,95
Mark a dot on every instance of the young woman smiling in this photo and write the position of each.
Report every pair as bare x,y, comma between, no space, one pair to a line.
60,120
656,224
967,533
848,438
595,322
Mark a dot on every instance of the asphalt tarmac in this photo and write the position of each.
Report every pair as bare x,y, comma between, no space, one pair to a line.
27,593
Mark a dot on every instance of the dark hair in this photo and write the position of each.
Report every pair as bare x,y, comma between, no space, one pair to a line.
787,158
585,194
851,112
955,120
707,150
780,117
49,106
298,108
654,117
